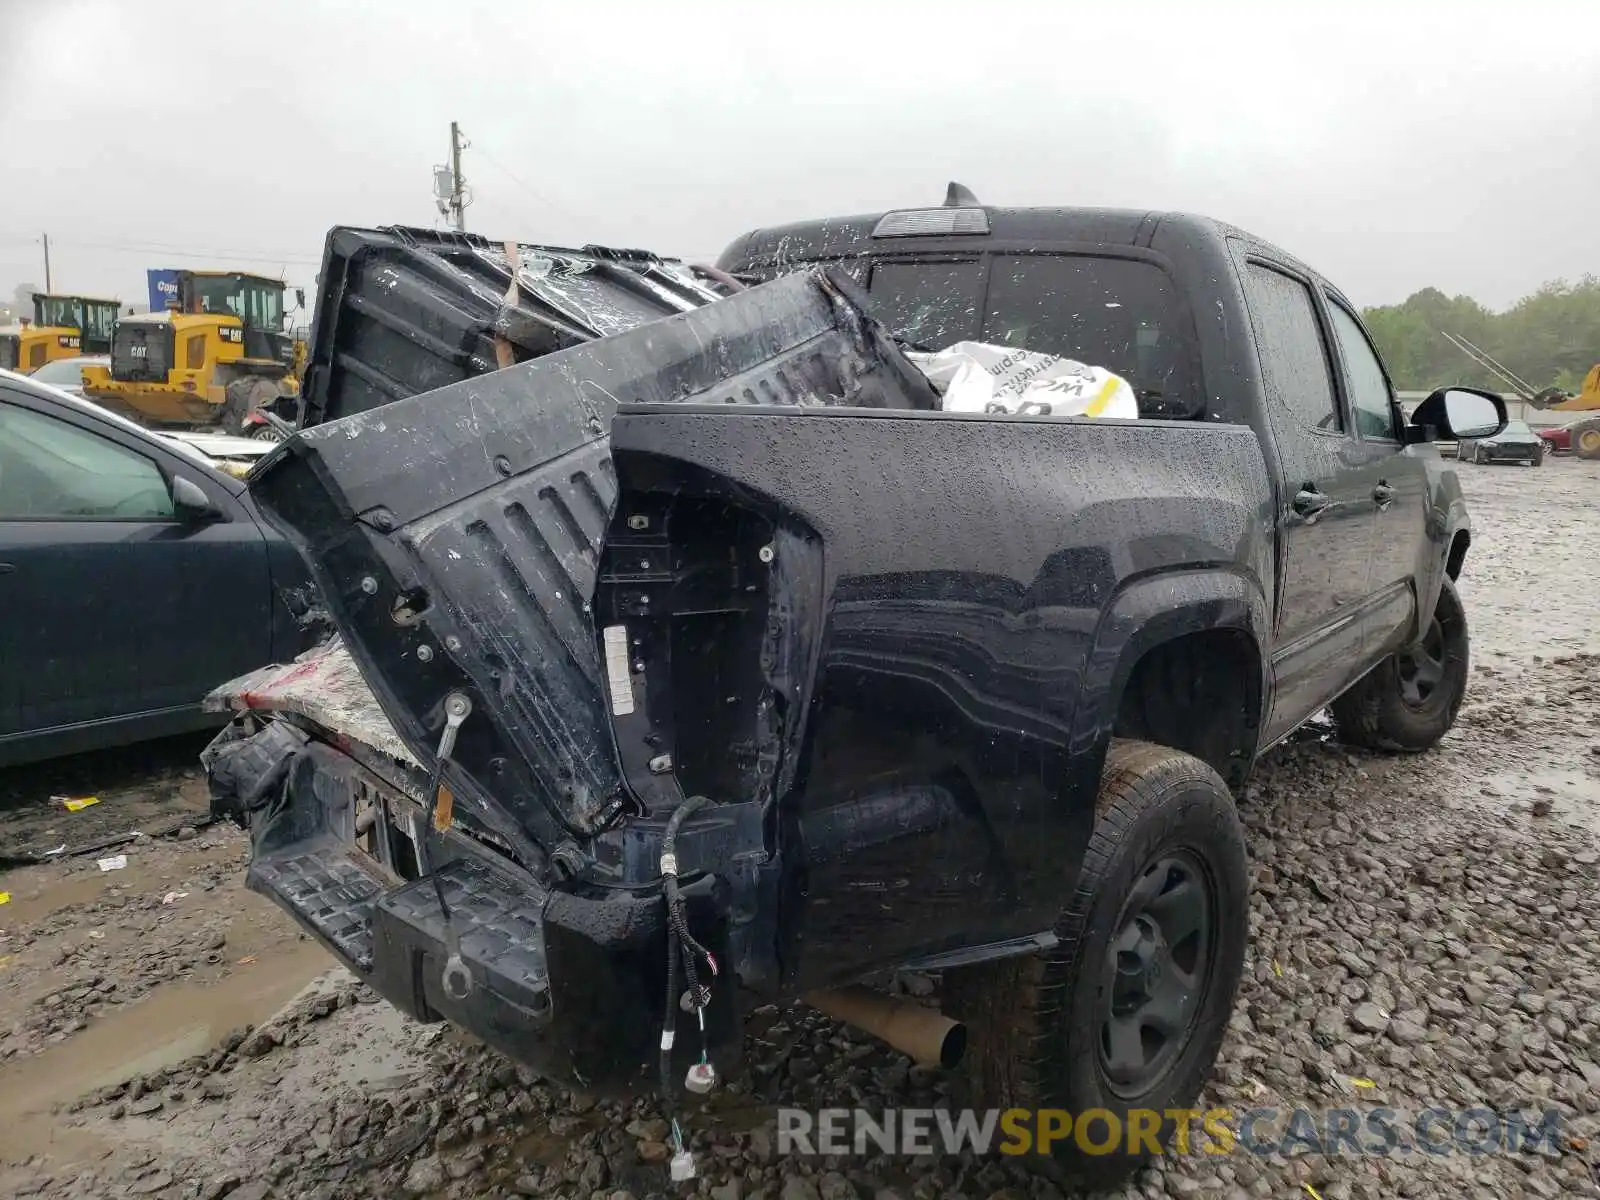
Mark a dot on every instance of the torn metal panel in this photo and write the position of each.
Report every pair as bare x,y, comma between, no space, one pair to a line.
404,311
456,535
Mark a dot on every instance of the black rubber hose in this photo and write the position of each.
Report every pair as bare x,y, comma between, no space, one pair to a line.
669,1024
675,915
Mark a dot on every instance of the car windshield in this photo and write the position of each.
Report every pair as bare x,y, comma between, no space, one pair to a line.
1117,313
1516,429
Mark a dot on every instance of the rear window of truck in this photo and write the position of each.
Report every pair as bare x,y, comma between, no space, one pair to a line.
1118,313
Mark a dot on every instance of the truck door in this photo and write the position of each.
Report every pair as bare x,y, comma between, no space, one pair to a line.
1324,503
1401,549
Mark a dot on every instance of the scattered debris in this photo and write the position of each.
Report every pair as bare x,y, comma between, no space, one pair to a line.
75,804
115,863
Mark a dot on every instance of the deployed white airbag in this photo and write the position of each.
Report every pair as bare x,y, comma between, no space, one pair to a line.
976,377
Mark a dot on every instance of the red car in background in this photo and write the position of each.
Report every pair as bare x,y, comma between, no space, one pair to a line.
1559,438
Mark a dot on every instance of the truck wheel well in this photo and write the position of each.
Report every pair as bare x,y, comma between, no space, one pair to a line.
1458,554
1199,693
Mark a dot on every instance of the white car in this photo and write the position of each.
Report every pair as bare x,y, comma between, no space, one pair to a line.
235,455
67,373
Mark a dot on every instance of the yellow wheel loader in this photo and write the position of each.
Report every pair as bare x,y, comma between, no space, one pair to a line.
62,327
1585,434
217,356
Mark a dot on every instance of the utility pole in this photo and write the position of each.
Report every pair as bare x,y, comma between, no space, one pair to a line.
47,286
458,187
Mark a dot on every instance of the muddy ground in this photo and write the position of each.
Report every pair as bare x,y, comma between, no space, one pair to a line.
1423,934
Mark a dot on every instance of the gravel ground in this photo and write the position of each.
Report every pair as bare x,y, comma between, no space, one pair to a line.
1422,934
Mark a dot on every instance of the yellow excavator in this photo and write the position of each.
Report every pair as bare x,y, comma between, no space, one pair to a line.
218,354
1584,433
62,327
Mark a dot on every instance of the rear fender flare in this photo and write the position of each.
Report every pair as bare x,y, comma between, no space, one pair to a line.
1155,609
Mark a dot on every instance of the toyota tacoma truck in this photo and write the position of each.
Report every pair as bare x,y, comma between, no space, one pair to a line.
691,657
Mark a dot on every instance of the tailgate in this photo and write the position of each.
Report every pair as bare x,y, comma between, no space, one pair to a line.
404,311
457,535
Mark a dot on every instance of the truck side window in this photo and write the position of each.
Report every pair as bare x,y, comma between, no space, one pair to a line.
1369,387
1294,361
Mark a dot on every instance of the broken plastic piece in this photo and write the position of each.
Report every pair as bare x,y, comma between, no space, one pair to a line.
702,1078
444,809
76,804
682,1166
173,897
115,863
5,897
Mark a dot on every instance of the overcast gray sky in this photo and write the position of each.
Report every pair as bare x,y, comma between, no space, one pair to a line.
1393,145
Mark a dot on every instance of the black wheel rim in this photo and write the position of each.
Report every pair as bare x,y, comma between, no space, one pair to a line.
1422,666
1157,967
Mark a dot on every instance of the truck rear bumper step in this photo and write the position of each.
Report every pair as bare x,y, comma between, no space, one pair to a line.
570,985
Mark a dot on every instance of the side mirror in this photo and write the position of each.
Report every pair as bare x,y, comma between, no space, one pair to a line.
1457,413
299,297
190,502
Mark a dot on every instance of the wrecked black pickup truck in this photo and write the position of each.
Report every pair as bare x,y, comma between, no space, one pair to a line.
692,655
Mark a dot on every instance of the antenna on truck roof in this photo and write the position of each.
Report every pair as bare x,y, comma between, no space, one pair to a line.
959,196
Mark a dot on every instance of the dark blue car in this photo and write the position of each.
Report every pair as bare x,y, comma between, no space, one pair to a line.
134,577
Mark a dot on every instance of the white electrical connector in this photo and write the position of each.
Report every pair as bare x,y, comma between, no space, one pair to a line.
702,1078
682,1166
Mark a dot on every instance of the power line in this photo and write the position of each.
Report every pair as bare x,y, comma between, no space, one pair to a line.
171,250
523,184
163,251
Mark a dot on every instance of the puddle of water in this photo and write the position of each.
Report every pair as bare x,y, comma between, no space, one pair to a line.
164,1028
1574,796
41,892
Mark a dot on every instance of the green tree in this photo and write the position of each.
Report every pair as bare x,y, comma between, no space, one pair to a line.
1550,339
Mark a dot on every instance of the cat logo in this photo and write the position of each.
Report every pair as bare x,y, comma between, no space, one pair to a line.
229,333
69,341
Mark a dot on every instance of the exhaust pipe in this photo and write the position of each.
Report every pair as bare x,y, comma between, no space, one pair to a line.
923,1034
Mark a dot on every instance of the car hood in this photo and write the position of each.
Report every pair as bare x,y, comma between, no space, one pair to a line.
220,445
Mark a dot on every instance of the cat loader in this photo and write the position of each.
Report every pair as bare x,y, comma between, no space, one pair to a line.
62,327
217,354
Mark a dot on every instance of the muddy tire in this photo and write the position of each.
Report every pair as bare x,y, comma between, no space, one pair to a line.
1128,1011
1410,700
1586,441
243,397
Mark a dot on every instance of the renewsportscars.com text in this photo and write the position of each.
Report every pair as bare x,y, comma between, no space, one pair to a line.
1365,1132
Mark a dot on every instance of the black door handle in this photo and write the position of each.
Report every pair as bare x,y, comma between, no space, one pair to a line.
1310,503
7,568
1384,495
